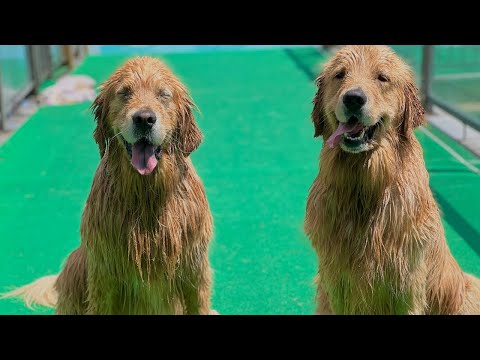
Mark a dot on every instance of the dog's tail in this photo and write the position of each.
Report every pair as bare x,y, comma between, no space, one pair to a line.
40,292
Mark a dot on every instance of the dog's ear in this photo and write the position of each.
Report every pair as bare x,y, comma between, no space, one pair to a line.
413,112
99,107
318,116
188,134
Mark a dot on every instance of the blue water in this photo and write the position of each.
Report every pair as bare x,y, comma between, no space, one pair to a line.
162,49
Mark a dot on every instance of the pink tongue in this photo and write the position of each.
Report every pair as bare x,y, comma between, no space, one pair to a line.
342,129
143,158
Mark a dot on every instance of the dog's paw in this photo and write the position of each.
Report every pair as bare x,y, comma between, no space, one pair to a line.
213,312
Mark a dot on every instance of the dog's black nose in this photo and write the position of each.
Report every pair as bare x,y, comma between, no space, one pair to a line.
354,100
144,119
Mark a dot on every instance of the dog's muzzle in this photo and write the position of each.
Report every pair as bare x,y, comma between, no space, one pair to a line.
354,135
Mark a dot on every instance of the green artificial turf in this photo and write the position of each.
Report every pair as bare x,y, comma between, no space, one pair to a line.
257,162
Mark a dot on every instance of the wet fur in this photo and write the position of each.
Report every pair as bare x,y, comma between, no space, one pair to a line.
371,217
145,239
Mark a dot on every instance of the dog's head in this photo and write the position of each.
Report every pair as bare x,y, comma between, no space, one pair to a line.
366,96
145,108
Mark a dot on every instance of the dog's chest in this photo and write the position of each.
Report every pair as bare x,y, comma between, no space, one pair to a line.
367,256
133,261
361,276
349,294
137,296
118,287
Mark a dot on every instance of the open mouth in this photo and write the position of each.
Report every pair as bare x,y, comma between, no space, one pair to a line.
353,135
144,156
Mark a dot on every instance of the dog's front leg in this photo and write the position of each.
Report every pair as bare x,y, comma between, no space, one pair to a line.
102,288
323,303
418,280
196,286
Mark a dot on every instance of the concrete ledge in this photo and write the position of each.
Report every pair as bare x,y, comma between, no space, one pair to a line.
454,128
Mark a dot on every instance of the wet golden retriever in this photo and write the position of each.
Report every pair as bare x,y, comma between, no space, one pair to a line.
371,215
146,225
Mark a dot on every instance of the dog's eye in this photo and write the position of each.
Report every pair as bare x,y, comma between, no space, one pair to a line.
125,94
382,78
340,74
165,94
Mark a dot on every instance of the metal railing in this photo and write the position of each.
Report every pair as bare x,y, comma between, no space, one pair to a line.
42,61
40,58
426,79
451,81
15,78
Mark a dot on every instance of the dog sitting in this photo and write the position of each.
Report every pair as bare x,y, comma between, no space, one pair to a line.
371,215
146,225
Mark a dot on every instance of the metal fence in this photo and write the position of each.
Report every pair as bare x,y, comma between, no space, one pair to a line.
23,68
455,83
15,78
449,77
40,58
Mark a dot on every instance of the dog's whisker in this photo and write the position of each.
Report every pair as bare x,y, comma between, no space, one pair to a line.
117,134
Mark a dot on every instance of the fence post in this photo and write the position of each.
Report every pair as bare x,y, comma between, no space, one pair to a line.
69,53
427,72
40,64
33,66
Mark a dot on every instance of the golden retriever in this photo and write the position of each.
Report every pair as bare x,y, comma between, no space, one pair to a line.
146,225
371,215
